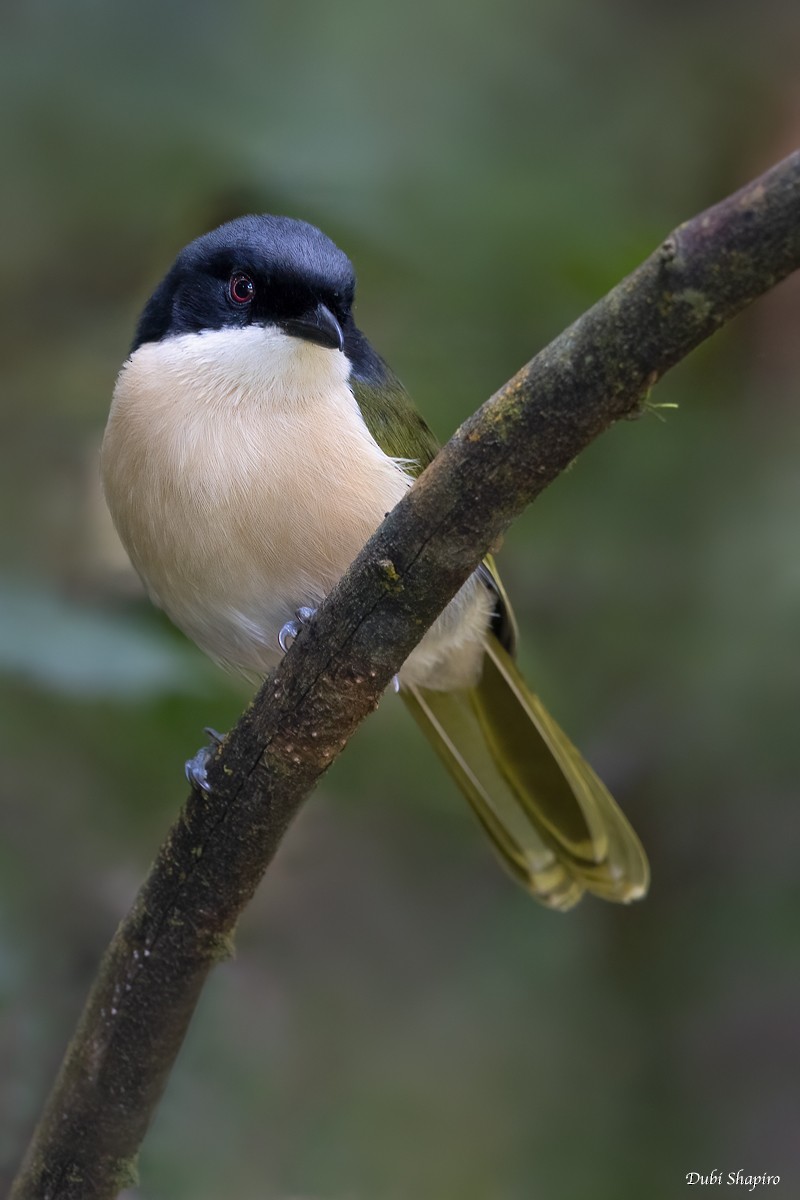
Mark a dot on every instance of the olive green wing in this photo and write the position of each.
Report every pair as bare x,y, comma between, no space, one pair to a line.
394,421
397,426
552,821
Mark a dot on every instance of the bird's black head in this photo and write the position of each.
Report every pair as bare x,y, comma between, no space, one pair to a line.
257,270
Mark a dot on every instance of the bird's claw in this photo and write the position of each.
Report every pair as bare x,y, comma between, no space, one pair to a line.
195,768
288,633
290,630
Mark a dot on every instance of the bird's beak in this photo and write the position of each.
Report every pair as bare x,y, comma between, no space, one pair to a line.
319,326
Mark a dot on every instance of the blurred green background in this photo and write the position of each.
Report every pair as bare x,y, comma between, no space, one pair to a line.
400,1020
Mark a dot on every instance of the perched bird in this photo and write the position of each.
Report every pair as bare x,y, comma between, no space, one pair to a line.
255,442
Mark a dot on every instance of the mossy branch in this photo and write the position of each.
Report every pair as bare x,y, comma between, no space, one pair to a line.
600,369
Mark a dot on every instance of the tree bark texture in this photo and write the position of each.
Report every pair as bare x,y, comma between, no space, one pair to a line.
182,922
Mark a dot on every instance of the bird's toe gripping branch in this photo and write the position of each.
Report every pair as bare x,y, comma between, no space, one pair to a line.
196,767
290,630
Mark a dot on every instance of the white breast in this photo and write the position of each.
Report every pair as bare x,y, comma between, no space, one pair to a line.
243,481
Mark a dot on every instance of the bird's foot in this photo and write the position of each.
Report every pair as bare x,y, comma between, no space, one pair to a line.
195,768
290,630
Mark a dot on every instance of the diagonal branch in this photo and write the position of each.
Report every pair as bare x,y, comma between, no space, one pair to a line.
182,923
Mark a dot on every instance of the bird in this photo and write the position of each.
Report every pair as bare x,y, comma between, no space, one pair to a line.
255,441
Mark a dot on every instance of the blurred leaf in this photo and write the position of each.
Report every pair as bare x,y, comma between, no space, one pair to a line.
69,648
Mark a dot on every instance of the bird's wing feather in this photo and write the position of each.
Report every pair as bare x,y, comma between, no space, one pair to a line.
553,822
393,420
396,425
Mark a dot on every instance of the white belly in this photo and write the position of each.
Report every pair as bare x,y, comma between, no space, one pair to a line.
240,499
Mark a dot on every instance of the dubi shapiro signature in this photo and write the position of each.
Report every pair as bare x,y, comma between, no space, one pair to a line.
731,1179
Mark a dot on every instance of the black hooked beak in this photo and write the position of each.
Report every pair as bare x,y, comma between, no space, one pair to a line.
319,326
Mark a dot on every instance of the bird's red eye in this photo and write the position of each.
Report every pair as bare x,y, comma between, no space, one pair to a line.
241,288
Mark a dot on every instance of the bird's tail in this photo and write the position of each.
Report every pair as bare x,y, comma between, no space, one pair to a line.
554,824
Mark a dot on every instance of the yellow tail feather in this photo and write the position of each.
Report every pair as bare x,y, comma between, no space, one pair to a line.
553,822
